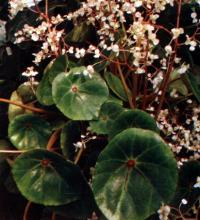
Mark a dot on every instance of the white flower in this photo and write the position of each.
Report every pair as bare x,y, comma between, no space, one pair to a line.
138,4
35,37
30,72
90,69
19,5
164,212
168,49
115,48
78,145
184,201
177,32
80,53
97,53
194,15
197,184
71,50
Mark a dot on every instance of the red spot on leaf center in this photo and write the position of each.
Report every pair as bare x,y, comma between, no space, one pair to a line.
131,163
74,89
45,162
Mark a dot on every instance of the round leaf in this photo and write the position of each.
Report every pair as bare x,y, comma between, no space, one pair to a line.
134,174
46,178
29,131
109,111
132,119
78,95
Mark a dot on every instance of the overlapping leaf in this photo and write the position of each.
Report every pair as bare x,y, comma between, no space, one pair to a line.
78,95
29,131
134,174
46,178
108,113
132,119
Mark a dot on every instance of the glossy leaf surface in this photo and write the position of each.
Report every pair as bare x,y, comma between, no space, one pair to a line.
46,178
134,174
78,95
115,85
132,119
29,131
109,111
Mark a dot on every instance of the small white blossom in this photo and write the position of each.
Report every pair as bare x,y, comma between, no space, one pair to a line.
197,184
164,212
168,49
97,53
30,72
115,48
177,32
78,145
184,201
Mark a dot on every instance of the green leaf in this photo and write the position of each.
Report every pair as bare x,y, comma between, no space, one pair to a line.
180,87
115,85
26,93
134,174
23,94
29,131
79,96
79,209
44,91
54,68
113,98
187,178
70,134
108,113
193,78
58,66
46,178
132,119
14,110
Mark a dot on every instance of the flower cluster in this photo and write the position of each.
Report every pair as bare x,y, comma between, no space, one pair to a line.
125,29
19,5
182,137
47,34
128,29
